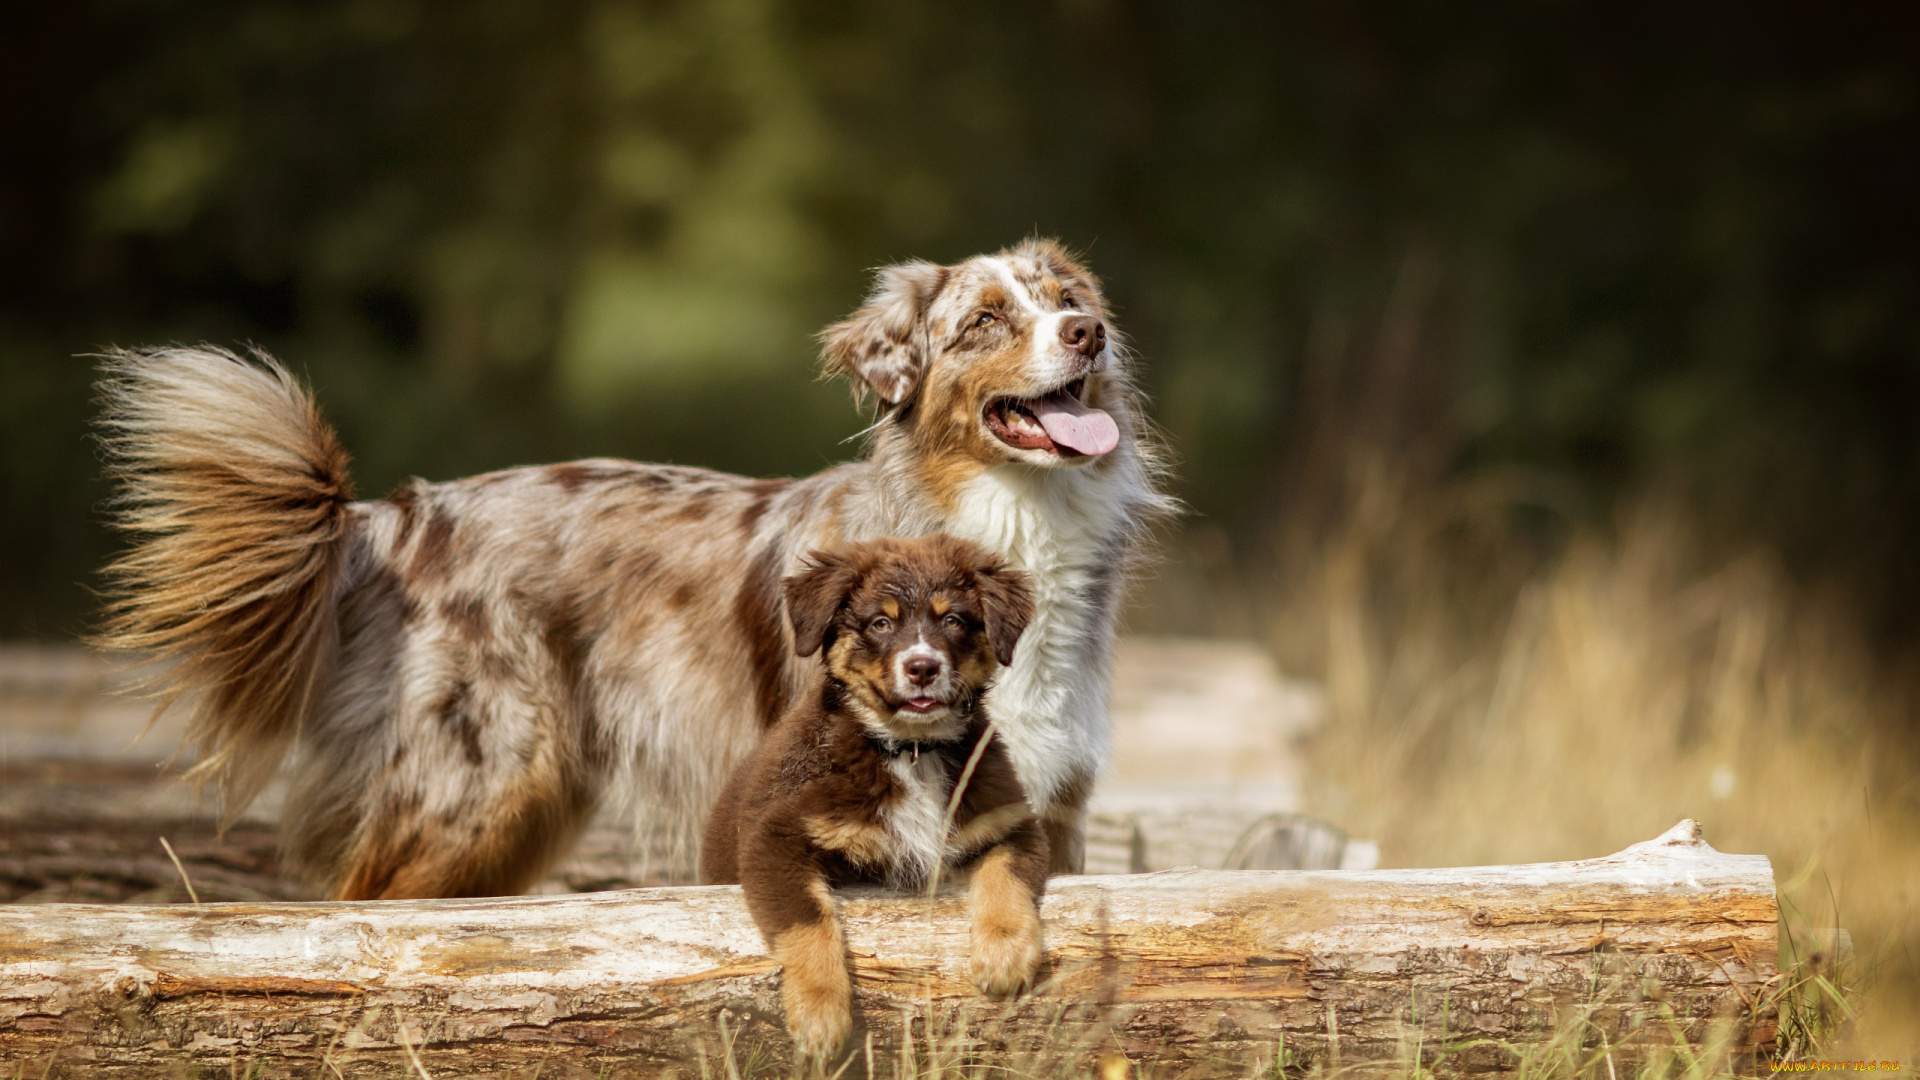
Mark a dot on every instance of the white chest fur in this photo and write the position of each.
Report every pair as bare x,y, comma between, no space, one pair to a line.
917,818
1065,528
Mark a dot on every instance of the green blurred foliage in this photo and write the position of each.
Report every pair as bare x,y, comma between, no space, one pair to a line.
1597,246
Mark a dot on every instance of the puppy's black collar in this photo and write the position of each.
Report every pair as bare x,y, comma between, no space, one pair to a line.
899,747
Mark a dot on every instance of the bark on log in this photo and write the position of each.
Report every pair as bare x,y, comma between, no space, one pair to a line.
1206,970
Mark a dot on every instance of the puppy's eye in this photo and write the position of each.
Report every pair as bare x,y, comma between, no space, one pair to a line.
953,622
880,625
985,318
1068,301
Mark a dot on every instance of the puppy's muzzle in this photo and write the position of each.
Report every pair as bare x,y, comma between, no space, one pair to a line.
923,678
921,671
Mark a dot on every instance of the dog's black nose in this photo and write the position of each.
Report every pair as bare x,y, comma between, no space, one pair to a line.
922,670
1083,334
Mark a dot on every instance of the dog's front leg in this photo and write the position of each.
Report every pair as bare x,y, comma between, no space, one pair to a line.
789,900
1066,841
815,986
1007,882
1065,819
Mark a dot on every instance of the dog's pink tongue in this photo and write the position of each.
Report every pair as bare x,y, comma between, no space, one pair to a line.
1074,426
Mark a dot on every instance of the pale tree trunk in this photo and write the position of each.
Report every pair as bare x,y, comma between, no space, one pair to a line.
1192,970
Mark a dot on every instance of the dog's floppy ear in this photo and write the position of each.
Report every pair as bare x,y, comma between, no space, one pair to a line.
883,346
814,596
1006,605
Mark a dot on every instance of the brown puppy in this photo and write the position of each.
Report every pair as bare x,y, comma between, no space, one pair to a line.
856,781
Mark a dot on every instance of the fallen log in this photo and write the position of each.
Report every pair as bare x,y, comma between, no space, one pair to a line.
1192,970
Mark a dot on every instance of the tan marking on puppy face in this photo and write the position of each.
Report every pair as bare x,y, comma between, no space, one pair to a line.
916,629
1007,947
863,673
815,986
863,843
976,664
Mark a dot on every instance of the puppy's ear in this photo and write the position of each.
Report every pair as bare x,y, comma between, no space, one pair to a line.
883,346
814,596
1006,605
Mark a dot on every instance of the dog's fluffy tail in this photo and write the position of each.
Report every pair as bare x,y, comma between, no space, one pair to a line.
234,493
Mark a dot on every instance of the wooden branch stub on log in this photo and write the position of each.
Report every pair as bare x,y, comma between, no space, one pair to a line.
1186,969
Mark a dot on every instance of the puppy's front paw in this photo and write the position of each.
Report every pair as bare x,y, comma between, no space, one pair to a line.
1006,952
818,1024
816,989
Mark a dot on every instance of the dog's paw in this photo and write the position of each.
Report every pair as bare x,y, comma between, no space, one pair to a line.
1006,955
816,989
1007,949
818,1025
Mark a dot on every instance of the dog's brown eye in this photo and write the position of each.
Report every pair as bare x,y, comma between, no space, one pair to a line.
985,319
880,625
953,622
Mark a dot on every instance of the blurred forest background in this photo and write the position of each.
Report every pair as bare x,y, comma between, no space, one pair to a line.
1544,376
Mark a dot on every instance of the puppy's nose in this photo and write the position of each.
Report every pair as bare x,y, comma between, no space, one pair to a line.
922,670
1083,334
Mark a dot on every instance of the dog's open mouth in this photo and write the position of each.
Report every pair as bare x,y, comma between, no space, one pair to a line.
1058,423
921,705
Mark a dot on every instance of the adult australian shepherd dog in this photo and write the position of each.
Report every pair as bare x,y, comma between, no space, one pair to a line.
462,670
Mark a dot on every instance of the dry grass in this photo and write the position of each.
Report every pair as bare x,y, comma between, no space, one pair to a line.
1491,705
1576,1050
